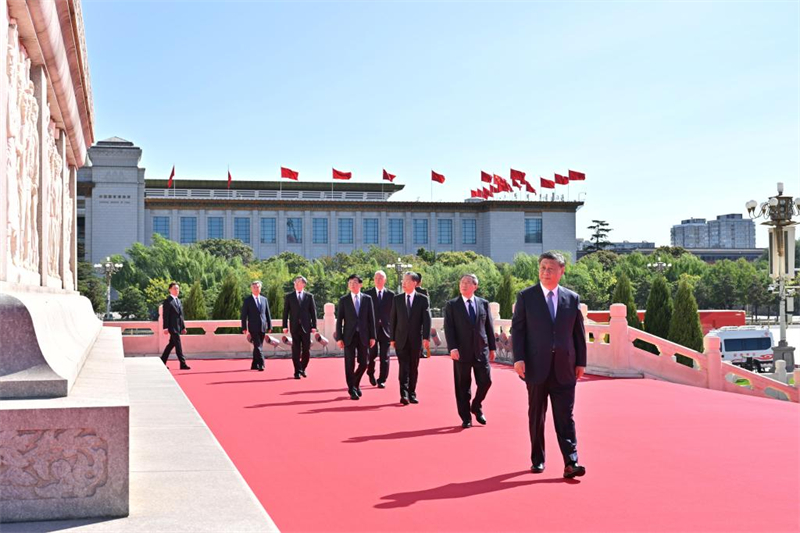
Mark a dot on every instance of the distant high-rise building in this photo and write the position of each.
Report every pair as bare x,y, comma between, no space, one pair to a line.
726,232
690,233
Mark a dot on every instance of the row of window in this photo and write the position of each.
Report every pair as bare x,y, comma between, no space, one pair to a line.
319,230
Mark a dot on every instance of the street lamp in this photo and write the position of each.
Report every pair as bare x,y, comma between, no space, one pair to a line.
399,267
108,269
778,213
659,266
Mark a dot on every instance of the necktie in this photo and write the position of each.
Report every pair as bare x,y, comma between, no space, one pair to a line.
358,304
300,297
551,304
408,304
258,303
380,296
471,311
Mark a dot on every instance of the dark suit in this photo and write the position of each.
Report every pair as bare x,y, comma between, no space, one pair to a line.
421,290
551,351
407,331
172,320
473,338
355,329
383,310
300,318
256,320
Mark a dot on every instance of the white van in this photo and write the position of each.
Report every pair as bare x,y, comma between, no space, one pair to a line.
747,346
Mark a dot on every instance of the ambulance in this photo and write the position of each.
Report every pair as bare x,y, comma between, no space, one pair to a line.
747,346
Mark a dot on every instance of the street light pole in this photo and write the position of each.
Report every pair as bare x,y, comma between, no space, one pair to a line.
108,269
659,266
778,212
399,267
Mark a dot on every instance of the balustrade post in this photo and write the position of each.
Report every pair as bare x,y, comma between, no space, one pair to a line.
618,337
711,346
494,309
329,322
163,340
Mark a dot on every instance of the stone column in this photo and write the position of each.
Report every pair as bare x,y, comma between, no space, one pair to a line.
4,192
73,243
67,210
39,78
618,333
329,321
711,346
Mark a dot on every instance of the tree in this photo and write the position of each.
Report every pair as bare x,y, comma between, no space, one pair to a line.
131,304
623,294
155,293
505,293
297,264
658,316
227,249
426,255
228,304
684,328
194,306
92,287
599,240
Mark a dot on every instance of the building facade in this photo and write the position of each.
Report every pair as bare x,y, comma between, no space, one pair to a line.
730,231
118,206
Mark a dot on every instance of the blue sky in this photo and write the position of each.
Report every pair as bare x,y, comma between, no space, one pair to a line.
672,109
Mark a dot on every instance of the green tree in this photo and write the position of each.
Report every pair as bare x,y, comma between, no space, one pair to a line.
658,316
684,328
505,294
623,294
92,287
194,306
297,264
227,249
228,304
155,293
599,239
429,256
131,304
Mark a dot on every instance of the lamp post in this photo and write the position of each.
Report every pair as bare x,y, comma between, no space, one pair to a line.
399,267
659,266
778,213
108,269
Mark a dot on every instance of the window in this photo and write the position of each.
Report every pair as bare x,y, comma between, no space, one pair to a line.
268,231
345,231
319,229
161,226
445,231
533,231
216,228
188,230
294,230
750,345
370,231
469,231
241,229
420,231
395,231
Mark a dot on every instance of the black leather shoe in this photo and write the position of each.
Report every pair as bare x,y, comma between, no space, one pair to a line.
261,368
303,373
372,380
353,395
538,468
466,424
358,391
479,416
413,398
574,470
404,400
381,385
297,375
185,367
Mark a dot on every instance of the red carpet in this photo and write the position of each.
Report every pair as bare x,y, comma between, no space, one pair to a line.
659,457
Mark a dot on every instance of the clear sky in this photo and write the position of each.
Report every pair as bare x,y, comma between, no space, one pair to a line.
672,109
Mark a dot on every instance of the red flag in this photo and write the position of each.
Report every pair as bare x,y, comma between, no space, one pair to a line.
496,189
438,178
289,173
562,180
515,183
502,184
230,179
486,177
517,175
529,188
387,176
171,175
339,175
487,193
576,176
473,194
547,184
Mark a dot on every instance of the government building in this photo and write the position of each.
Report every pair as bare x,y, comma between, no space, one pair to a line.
118,206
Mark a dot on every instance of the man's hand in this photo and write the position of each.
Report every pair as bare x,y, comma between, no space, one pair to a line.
313,330
183,332
579,371
371,343
492,355
244,332
340,344
519,368
166,332
285,330
454,355
426,344
392,344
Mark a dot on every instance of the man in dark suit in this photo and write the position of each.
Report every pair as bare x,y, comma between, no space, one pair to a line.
470,338
299,306
355,328
382,299
410,324
423,353
173,325
256,323
550,355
